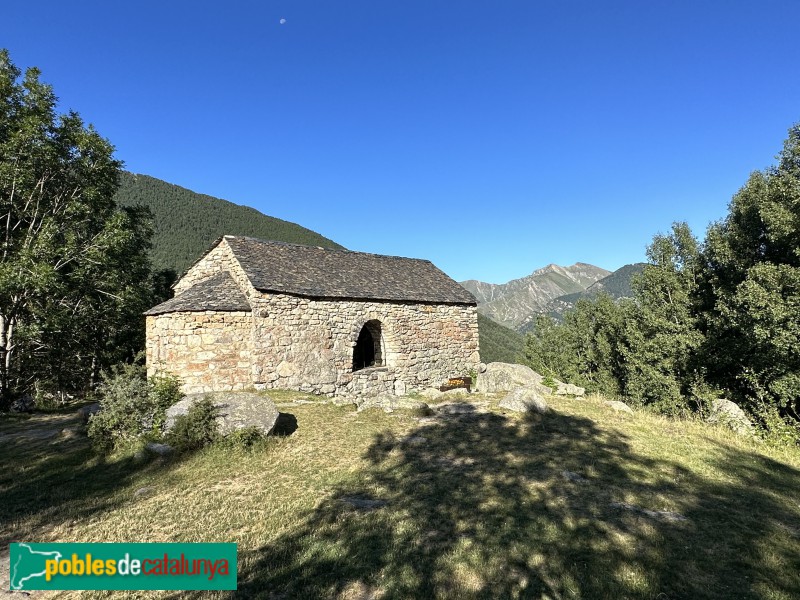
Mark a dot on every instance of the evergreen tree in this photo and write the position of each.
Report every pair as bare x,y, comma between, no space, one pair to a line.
73,268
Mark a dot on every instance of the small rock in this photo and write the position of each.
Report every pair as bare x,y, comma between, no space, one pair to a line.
455,393
393,403
481,368
730,414
143,492
573,477
524,400
415,440
431,394
87,411
457,408
23,404
363,502
617,405
662,515
160,449
69,433
567,389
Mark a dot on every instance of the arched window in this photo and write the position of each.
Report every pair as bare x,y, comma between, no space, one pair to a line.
368,351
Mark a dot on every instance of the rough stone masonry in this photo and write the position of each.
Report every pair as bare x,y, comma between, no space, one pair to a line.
268,315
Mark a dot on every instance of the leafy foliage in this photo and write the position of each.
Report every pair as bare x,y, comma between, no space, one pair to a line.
198,427
131,405
74,269
711,318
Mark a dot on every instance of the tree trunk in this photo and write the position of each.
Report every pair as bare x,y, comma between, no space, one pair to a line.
6,334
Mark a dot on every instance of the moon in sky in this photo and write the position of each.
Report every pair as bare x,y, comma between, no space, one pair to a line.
283,21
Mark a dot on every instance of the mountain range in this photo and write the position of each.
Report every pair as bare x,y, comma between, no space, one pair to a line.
550,290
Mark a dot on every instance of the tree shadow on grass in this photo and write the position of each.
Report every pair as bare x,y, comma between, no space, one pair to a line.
53,480
485,506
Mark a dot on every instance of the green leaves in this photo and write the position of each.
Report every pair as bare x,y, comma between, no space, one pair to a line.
724,314
73,268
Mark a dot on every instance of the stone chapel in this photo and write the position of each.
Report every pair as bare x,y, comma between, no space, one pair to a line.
265,315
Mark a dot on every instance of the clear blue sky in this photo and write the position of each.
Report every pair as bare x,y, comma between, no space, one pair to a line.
490,137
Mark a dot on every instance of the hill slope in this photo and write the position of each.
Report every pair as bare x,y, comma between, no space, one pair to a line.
499,343
515,303
186,223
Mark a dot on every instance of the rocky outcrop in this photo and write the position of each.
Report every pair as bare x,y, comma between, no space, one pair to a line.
514,303
730,414
619,406
524,400
235,410
504,377
567,389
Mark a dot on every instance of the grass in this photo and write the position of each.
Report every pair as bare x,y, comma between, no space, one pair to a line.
479,505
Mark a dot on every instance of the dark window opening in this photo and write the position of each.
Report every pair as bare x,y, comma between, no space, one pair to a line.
368,351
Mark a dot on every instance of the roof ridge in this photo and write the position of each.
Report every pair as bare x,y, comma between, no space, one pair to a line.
339,250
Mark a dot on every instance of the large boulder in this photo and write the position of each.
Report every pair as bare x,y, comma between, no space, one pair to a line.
728,413
504,377
524,400
235,410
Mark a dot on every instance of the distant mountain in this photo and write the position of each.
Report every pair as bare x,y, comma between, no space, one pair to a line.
617,285
515,303
186,223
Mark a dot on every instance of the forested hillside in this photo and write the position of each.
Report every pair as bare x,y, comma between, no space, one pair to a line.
186,223
499,343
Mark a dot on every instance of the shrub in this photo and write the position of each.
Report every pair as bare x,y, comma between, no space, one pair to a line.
245,438
550,382
195,429
131,405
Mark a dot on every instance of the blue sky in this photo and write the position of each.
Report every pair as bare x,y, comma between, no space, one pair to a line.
490,137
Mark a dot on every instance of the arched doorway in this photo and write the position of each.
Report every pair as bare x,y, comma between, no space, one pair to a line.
368,351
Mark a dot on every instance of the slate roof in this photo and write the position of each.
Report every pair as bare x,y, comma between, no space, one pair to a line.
218,292
331,273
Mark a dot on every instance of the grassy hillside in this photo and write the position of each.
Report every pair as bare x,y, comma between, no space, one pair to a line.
581,502
499,343
186,223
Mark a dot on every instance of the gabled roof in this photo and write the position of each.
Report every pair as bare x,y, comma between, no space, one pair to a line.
218,292
331,273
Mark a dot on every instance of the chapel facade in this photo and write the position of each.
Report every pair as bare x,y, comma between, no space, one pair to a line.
272,315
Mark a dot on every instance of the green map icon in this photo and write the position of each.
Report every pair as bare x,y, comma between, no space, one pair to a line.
27,565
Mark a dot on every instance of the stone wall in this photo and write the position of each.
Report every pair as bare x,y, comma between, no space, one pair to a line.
209,351
307,344
220,258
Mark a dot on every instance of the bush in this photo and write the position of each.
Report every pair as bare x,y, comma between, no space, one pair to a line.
131,405
195,429
245,438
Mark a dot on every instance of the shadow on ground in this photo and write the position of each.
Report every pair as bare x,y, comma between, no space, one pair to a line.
481,505
51,477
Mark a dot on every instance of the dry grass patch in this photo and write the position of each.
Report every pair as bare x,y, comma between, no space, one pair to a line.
482,504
